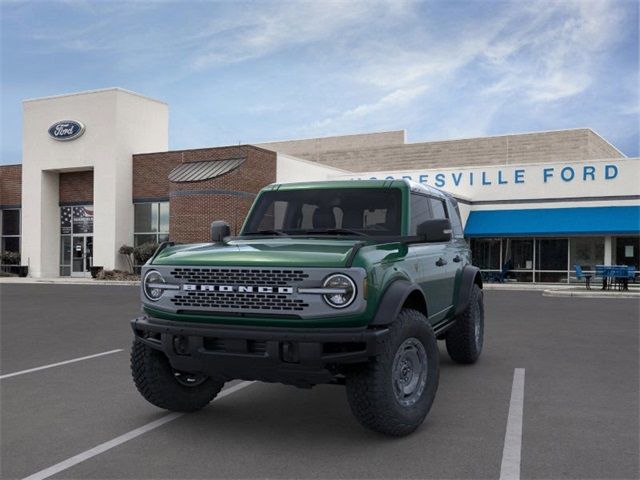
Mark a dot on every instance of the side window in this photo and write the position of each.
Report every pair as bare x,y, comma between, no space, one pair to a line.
437,206
420,211
454,216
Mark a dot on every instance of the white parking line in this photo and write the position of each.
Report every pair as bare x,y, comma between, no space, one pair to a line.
66,362
511,454
103,447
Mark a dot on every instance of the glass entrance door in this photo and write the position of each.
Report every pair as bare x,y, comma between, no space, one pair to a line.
81,255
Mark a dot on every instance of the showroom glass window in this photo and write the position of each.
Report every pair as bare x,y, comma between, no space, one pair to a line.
626,251
151,223
552,259
486,253
10,230
517,258
586,252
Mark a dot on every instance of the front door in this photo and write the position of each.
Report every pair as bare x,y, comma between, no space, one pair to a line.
81,255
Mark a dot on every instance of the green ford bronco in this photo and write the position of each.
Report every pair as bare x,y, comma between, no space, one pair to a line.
341,282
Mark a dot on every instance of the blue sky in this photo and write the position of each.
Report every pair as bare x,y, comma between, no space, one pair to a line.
257,71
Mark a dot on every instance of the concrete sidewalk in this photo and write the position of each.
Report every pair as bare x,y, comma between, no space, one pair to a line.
566,290
67,281
594,293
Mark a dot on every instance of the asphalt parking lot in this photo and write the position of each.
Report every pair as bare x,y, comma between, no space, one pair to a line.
580,409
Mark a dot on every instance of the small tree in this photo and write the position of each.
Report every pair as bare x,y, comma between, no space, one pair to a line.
127,251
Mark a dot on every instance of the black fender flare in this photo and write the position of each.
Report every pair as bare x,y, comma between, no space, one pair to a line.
393,299
470,276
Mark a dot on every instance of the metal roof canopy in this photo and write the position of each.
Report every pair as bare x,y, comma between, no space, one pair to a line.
204,170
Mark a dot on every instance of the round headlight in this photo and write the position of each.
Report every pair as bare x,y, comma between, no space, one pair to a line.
344,290
150,285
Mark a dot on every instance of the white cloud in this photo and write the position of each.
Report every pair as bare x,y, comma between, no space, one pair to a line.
556,59
536,53
267,28
396,99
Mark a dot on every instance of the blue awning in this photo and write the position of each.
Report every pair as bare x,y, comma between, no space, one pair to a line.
554,221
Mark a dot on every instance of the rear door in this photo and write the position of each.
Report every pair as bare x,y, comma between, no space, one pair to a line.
429,267
461,258
449,260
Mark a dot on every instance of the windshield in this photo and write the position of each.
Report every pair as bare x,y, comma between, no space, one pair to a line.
348,211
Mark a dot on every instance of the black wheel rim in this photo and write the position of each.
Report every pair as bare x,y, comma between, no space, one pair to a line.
409,372
189,379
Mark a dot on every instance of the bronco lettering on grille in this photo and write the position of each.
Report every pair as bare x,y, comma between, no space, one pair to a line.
237,288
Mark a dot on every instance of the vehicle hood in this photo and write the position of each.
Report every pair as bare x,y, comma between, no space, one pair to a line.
271,252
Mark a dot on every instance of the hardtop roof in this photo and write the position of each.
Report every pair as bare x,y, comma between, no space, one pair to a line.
329,184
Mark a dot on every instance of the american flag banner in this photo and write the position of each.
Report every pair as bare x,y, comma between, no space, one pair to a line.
76,220
66,214
82,220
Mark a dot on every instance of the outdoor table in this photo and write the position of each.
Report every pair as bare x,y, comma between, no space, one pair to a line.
618,274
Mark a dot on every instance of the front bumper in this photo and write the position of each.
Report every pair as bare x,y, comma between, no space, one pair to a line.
301,357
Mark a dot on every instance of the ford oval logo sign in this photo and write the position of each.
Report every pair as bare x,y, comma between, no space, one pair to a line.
66,130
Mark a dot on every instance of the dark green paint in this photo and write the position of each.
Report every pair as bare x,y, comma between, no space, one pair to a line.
384,263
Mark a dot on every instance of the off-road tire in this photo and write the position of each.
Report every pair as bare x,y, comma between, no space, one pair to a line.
370,390
461,342
155,380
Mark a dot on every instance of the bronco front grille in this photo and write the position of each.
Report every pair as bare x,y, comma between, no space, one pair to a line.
236,276
238,301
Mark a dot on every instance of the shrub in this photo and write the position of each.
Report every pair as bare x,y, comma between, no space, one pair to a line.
10,258
116,275
144,252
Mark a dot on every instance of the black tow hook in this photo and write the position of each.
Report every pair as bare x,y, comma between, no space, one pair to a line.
181,345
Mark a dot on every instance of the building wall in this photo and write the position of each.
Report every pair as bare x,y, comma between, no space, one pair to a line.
598,147
150,175
151,170
194,205
531,185
76,187
10,185
315,148
557,146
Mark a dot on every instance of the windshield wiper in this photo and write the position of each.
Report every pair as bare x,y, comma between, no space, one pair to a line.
336,231
267,232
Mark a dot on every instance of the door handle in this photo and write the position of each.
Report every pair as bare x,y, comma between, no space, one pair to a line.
441,262
457,258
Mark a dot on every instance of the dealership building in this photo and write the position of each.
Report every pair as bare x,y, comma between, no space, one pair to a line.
96,174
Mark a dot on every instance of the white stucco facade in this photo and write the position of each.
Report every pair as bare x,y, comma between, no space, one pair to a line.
118,123
291,169
605,182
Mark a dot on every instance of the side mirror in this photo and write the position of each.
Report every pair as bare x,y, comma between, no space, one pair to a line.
436,230
219,230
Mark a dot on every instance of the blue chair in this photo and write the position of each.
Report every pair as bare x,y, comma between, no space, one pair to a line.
632,272
500,276
580,275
